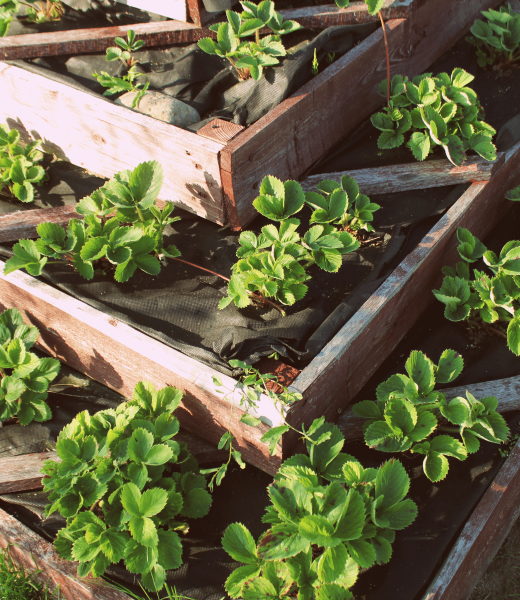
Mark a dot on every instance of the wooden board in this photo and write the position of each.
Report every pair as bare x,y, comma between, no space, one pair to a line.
105,138
296,134
22,224
413,176
33,552
175,9
22,473
482,536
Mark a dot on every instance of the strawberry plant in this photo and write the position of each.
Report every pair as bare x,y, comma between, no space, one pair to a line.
437,112
19,168
495,298
497,39
42,11
129,240
24,378
329,517
8,8
129,82
250,57
273,264
124,484
404,417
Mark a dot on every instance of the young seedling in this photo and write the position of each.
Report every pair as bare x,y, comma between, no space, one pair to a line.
24,378
125,486
19,168
438,112
250,58
498,38
404,418
129,82
493,299
329,517
42,11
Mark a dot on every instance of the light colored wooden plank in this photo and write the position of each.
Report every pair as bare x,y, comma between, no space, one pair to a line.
220,130
412,176
22,473
108,351
338,373
296,134
506,391
97,39
105,138
22,224
482,536
34,553
175,9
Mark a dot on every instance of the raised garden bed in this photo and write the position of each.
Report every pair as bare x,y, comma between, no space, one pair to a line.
218,178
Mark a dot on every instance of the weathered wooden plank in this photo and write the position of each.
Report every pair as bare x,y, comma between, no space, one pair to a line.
34,553
97,39
22,224
105,138
482,536
175,9
108,351
22,473
220,130
413,176
293,136
198,14
336,375
328,15
506,391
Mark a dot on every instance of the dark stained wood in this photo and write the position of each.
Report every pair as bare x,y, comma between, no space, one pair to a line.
33,553
198,14
336,375
506,391
482,536
84,41
220,130
413,176
22,224
22,473
294,135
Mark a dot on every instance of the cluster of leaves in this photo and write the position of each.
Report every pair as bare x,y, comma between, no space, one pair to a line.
19,168
495,298
250,57
130,240
403,417
497,39
374,6
38,11
8,8
329,516
437,111
273,264
123,483
130,81
25,378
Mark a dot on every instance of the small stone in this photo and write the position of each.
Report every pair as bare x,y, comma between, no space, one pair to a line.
162,107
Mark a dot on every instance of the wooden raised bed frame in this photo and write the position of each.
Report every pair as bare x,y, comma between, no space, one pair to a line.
219,178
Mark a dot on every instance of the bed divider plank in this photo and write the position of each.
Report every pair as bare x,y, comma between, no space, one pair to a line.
482,536
33,552
341,369
293,136
22,224
22,473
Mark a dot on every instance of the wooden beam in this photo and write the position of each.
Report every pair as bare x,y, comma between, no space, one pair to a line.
482,536
220,130
413,176
22,473
506,391
295,135
22,224
34,553
97,39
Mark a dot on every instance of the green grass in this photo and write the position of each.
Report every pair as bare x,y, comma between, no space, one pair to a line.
18,584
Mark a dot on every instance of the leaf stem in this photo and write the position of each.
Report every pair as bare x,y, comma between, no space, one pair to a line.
387,59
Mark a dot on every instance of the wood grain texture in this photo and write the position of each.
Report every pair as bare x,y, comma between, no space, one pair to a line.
298,132
22,224
197,13
175,9
482,536
97,39
506,391
108,351
328,15
34,553
105,138
220,130
22,473
341,369
412,176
